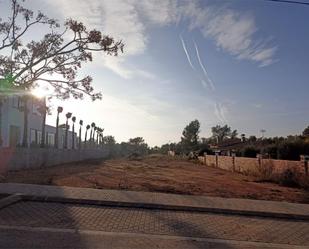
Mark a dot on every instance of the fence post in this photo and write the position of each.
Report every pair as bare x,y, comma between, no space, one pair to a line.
233,160
216,153
205,157
305,159
259,159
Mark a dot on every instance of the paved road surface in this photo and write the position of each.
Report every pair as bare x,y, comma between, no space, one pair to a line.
29,224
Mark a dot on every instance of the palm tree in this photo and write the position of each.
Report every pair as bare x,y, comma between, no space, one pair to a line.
59,110
24,108
1,104
97,137
87,128
80,134
68,116
73,132
102,136
43,111
101,139
92,131
93,138
98,133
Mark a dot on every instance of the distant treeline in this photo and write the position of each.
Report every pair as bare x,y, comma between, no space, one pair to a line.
227,141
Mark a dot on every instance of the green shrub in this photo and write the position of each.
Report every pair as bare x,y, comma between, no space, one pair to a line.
249,152
272,151
289,178
293,150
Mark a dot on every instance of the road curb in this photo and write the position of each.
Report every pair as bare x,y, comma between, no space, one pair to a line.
11,199
162,207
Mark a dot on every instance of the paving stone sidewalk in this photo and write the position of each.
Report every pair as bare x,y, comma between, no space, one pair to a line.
157,200
154,221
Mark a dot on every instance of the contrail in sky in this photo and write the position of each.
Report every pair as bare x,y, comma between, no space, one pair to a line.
204,84
186,51
203,68
220,112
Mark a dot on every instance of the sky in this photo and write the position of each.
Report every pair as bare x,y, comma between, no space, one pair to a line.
238,62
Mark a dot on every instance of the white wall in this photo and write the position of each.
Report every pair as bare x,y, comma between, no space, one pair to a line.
29,158
13,116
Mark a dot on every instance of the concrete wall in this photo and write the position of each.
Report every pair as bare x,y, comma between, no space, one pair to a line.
26,158
11,115
250,165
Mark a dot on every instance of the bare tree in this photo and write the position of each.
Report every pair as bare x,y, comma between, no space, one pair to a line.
43,110
11,31
54,54
60,53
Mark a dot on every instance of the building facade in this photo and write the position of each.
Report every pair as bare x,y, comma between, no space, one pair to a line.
12,124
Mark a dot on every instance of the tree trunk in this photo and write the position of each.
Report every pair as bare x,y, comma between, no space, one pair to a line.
90,136
43,131
73,137
56,135
1,123
86,138
80,138
66,135
25,133
43,124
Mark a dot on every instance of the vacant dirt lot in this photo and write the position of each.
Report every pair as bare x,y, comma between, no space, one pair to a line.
161,174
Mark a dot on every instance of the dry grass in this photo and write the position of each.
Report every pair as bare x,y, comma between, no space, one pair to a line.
159,174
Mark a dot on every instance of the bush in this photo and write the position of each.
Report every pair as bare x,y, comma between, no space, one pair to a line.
204,150
272,151
289,178
249,152
293,150
265,172
293,178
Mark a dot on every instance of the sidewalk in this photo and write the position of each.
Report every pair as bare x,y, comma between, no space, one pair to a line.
156,200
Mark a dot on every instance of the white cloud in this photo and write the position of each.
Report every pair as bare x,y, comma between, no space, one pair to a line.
232,31
119,19
258,105
162,12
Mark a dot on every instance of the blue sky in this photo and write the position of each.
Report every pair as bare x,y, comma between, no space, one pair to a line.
240,62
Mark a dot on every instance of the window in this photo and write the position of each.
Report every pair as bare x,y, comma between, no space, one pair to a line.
50,137
33,139
14,135
62,141
20,102
15,101
34,107
39,136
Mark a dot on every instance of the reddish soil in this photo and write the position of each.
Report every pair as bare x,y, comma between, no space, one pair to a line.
159,174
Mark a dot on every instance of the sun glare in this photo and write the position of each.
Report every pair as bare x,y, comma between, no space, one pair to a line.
39,92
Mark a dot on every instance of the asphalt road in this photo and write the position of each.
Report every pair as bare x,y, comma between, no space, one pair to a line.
55,225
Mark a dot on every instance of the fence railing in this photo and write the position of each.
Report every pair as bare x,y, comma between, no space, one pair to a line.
251,165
